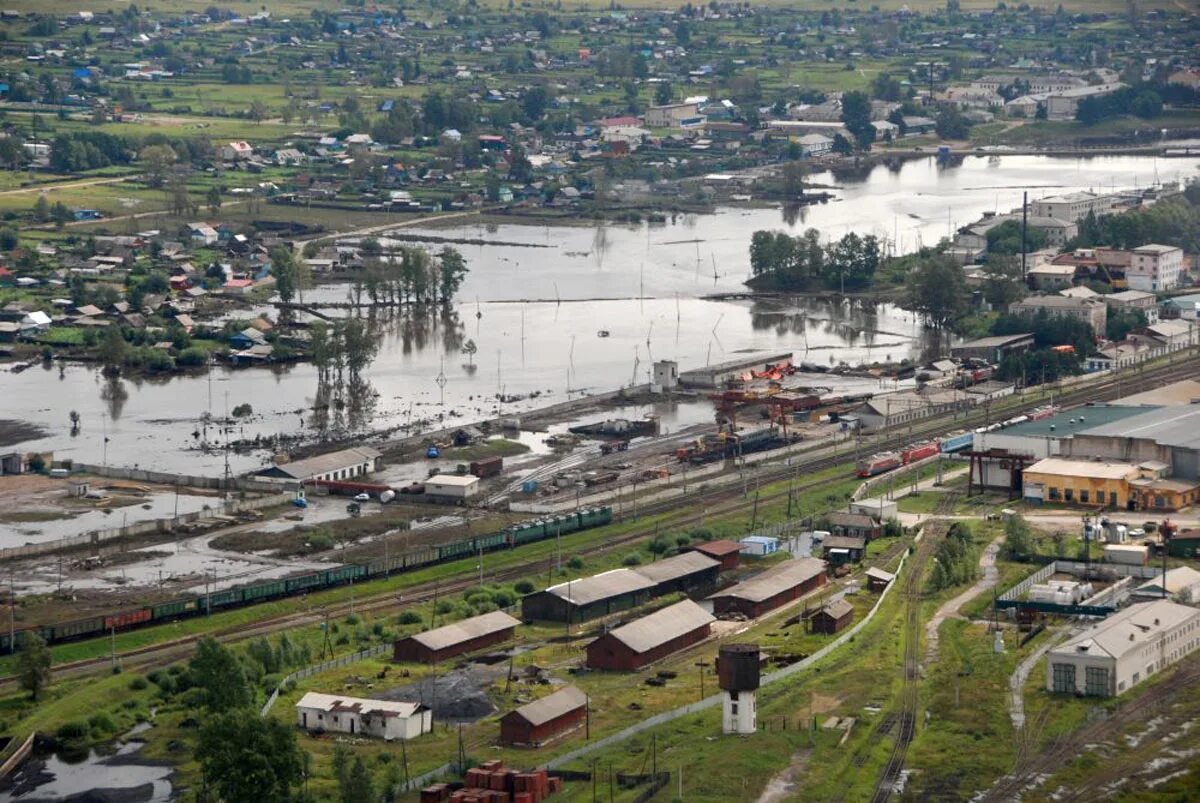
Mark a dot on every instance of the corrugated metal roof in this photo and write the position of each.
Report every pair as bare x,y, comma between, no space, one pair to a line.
605,585
1074,421
553,706
721,547
677,566
660,627
838,608
333,461
785,576
1178,425
466,630
1129,630
845,542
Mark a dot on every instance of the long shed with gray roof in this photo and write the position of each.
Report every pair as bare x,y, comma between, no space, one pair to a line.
651,638
344,464
681,572
538,722
589,597
775,587
457,638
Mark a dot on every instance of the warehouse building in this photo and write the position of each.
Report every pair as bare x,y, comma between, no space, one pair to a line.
724,551
651,638
769,590
1169,435
588,597
683,572
345,464
382,719
534,724
1128,647
993,349
469,635
833,618
1058,480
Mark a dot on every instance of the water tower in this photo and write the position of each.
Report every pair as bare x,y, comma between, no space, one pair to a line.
737,675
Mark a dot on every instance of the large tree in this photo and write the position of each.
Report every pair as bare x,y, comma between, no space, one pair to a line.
250,758
937,290
856,114
218,673
156,162
33,665
283,268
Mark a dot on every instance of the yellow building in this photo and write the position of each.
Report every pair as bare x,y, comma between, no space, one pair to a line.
1058,480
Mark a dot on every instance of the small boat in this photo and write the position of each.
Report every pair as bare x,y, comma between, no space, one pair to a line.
602,333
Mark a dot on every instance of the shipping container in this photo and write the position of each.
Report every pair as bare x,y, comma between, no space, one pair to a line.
487,466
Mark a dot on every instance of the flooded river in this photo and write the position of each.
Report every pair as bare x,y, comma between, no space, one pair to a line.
536,301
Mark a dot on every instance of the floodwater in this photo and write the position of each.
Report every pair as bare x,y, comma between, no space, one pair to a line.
536,315
54,777
149,508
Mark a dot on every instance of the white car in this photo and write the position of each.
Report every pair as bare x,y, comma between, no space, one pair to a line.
364,497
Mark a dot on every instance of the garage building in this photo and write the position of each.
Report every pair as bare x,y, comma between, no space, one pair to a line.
469,635
767,591
681,572
1128,647
588,597
651,638
452,487
536,723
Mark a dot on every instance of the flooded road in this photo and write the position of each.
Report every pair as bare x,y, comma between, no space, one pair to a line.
535,315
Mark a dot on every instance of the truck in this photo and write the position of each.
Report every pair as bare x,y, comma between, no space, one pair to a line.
487,466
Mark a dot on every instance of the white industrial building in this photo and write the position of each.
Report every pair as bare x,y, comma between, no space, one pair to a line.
1128,647
383,719
345,464
452,486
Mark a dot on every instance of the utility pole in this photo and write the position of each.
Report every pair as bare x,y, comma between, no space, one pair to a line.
1024,230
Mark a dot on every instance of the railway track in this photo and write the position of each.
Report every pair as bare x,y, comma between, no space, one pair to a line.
723,499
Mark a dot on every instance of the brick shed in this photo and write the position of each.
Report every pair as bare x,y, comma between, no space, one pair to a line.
469,635
725,551
536,723
776,586
646,640
833,617
681,573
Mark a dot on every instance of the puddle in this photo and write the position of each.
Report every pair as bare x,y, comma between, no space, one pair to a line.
118,776
148,508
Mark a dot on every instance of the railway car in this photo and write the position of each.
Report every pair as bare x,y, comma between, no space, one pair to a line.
878,464
261,591
344,574
305,582
225,598
456,549
120,621
176,607
919,451
424,557
957,441
80,628
493,541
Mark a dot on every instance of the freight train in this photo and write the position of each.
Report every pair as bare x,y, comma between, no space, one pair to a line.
513,536
725,445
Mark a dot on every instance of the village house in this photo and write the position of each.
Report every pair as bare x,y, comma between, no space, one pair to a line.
238,151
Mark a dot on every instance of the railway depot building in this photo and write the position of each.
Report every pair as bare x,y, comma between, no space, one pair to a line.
683,572
588,597
541,721
382,719
469,635
767,591
345,464
1128,647
651,638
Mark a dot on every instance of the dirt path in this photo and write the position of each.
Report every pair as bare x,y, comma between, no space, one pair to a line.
950,608
1016,681
68,185
783,786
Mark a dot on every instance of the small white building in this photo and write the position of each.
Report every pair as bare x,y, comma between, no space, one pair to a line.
759,545
1128,647
878,508
1181,584
452,486
382,719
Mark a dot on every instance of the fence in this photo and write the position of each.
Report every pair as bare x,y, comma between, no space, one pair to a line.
316,669
14,757
96,537
189,480
715,700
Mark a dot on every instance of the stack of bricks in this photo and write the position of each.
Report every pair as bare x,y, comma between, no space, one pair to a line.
493,783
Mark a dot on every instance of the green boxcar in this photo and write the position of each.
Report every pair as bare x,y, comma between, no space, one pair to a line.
254,593
456,549
69,630
344,574
314,580
492,541
176,607
230,596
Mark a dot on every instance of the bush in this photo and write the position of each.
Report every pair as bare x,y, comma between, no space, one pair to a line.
138,683
682,540
73,731
102,724
503,599
523,587
443,607
632,559
319,542
192,357
575,563
409,618
658,546
352,619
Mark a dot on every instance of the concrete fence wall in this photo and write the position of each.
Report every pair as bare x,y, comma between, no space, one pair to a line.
97,537
188,480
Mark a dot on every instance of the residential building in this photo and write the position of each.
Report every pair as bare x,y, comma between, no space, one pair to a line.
544,720
1025,106
1133,300
458,638
1090,311
1185,307
1171,335
651,638
1114,356
1130,646
202,234
1189,77
840,549
1155,268
383,719
238,151
772,588
345,464
857,525
1072,206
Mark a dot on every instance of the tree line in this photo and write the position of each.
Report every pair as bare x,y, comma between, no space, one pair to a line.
781,261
